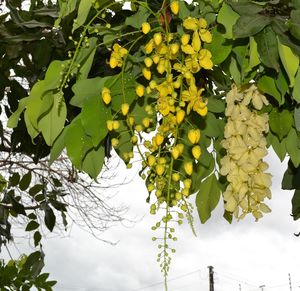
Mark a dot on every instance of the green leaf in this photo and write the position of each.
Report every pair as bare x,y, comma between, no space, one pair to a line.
125,144
296,4
268,48
36,189
77,143
88,88
235,71
25,181
66,7
279,147
281,122
248,25
267,85
93,162
245,8
282,83
296,90
34,24
228,18
295,23
207,198
184,12
289,60
52,123
93,117
53,75
214,127
57,146
83,11
219,47
292,147
137,19
296,205
253,54
297,118
32,225
34,105
50,218
121,90
87,58
216,105
14,118
14,179
291,177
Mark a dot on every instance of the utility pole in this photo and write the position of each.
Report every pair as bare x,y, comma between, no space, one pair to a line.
211,278
290,282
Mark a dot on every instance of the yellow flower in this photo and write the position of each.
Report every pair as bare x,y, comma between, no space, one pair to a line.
196,151
106,97
140,90
190,23
125,108
175,177
188,168
174,48
109,125
185,39
180,147
174,7
146,122
205,35
175,153
148,62
151,160
159,139
146,27
157,37
187,183
196,43
205,59
160,169
164,106
149,47
194,135
117,55
147,73
116,124
180,114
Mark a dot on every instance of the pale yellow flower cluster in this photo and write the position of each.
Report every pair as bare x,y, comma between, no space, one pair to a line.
245,143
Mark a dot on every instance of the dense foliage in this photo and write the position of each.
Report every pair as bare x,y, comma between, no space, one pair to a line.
197,92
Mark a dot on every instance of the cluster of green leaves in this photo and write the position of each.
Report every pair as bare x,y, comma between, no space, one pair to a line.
12,205
25,273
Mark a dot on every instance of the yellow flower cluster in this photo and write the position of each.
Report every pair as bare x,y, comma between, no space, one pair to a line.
174,60
116,57
245,143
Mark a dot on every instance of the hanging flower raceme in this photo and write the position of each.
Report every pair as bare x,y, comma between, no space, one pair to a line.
245,144
168,74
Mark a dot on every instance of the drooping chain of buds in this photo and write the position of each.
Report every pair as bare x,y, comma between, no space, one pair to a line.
169,69
245,144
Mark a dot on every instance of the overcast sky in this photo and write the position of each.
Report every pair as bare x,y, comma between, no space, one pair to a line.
246,253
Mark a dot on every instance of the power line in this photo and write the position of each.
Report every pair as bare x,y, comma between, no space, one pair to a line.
235,279
173,279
